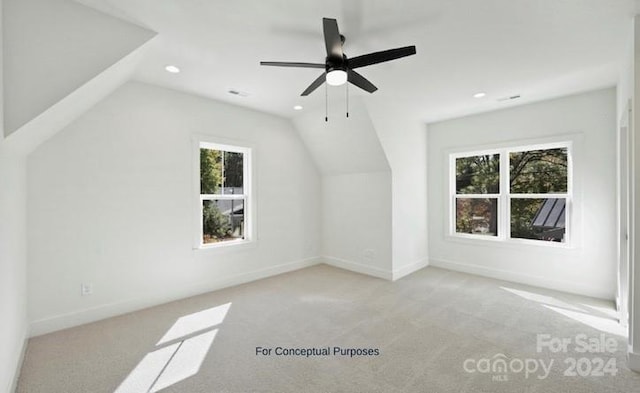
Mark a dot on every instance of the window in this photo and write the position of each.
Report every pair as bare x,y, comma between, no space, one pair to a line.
224,194
512,193
477,193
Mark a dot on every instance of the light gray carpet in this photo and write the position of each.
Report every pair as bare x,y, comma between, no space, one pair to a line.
425,327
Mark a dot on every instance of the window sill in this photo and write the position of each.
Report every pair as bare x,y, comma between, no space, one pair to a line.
511,243
234,245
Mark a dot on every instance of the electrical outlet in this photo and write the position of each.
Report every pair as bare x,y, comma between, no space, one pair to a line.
86,289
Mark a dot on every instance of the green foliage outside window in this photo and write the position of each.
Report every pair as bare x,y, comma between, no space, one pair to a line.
538,171
522,213
233,169
210,171
215,225
535,171
218,170
478,174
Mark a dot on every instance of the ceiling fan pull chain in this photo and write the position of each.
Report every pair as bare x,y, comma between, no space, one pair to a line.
347,89
326,103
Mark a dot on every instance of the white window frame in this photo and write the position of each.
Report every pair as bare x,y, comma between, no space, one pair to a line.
505,196
247,196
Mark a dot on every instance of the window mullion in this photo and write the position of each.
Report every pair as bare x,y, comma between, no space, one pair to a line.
539,195
504,219
209,197
474,196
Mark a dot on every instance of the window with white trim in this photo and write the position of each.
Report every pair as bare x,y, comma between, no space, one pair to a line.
512,193
224,194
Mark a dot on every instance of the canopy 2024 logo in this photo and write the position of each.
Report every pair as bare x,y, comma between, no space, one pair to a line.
501,367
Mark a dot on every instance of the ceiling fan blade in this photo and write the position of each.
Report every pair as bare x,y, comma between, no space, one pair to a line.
382,56
360,81
316,83
332,38
291,64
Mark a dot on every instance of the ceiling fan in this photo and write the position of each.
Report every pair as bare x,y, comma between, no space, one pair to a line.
338,68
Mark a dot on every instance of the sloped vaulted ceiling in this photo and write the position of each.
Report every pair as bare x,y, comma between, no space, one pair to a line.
53,50
342,145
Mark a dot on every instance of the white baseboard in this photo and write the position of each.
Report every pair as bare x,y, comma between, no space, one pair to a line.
20,360
633,361
406,270
543,282
358,267
76,318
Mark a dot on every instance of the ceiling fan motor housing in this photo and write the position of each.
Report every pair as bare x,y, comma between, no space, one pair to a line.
335,64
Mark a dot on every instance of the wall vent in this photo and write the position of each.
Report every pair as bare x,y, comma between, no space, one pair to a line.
509,98
236,92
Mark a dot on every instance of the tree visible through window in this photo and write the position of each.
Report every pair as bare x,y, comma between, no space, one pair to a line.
223,193
533,175
477,191
520,192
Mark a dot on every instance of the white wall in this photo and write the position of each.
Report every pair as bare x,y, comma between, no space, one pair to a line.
13,265
624,95
624,88
629,87
356,186
590,267
110,202
13,254
356,222
376,157
404,141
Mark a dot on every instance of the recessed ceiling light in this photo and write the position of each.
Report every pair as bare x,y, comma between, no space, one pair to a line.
479,95
172,69
297,108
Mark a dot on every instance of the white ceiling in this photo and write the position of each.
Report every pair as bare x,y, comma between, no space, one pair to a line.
536,48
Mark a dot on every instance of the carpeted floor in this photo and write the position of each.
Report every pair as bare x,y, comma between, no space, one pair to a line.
434,331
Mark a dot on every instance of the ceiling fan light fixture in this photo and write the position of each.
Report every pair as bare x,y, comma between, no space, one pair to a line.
336,77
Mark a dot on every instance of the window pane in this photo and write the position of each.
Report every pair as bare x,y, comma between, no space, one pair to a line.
478,174
538,171
210,171
539,219
233,171
222,220
478,216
